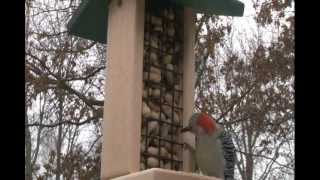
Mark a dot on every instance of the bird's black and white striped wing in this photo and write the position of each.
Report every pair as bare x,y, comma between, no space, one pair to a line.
229,155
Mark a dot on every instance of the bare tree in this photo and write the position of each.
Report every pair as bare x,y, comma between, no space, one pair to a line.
68,72
250,89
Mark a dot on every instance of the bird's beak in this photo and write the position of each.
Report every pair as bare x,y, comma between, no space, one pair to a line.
185,129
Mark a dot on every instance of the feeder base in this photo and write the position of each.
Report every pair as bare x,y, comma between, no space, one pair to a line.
163,174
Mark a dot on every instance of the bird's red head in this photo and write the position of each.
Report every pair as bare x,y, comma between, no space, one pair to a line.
207,123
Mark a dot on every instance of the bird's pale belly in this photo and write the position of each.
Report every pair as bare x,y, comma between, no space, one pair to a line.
210,162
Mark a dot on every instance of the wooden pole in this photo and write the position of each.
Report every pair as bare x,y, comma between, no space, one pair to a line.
123,89
188,81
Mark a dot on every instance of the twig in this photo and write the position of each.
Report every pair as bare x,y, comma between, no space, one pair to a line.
63,122
235,103
266,157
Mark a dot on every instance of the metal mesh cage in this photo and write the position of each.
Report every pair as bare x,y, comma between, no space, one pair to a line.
162,92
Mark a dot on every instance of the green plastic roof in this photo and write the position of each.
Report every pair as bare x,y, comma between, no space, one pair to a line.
90,20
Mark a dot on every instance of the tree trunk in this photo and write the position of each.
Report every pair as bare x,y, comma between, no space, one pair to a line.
249,167
249,156
28,167
41,115
28,148
59,141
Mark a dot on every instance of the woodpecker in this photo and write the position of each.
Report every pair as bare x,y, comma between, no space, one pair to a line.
214,150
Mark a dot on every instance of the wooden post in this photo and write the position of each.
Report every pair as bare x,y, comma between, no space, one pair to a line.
188,81
123,89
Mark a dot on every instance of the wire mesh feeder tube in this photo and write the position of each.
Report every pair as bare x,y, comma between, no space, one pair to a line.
162,84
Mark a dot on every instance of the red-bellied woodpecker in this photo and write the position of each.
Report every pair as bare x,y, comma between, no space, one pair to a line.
214,150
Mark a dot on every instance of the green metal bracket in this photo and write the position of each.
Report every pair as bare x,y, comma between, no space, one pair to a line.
90,21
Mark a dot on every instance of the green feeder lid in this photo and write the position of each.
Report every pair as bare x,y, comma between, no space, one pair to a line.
90,20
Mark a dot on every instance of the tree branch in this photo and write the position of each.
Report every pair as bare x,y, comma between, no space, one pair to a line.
266,157
87,76
94,142
89,102
64,122
236,102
